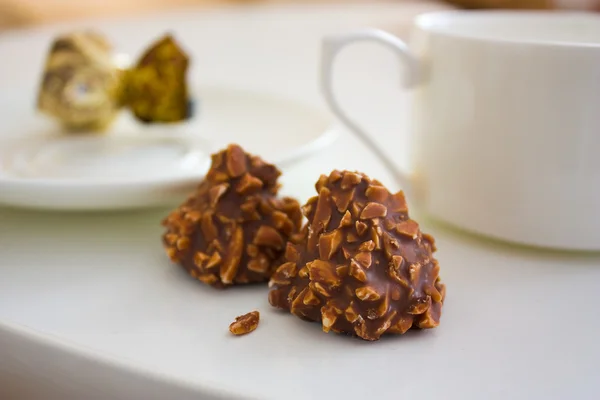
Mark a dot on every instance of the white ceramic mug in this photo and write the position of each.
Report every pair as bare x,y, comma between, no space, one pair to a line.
505,137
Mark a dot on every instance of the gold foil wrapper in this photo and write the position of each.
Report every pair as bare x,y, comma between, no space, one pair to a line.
81,86
156,88
84,88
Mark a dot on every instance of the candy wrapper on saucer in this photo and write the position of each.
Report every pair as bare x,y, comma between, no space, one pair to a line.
85,84
156,88
82,87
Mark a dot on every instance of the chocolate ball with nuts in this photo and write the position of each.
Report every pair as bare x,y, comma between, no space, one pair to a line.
234,228
363,267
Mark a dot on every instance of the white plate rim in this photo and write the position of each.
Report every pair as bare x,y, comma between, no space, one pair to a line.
326,137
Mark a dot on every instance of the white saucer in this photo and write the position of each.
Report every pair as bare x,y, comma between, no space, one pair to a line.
136,165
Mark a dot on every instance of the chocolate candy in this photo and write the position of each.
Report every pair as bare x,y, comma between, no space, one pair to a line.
81,86
156,87
363,266
84,88
234,228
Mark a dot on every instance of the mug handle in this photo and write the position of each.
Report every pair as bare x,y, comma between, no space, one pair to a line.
332,45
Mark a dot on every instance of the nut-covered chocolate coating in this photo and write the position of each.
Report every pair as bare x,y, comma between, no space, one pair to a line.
364,267
157,88
234,228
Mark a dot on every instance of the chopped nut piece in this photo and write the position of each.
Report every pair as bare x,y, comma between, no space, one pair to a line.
259,264
376,237
172,254
346,253
215,193
367,246
408,228
349,180
414,271
193,216
328,316
385,325
351,238
214,260
232,259
268,236
351,313
215,245
171,238
402,325
428,238
291,295
390,245
321,183
420,306
208,279
335,176
329,244
373,210
200,259
306,209
323,272
362,331
235,159
252,250
283,223
303,273
319,288
287,270
341,270
183,243
245,323
396,262
398,203
436,296
291,253
383,307
209,229
248,184
322,212
364,259
298,302
356,209
346,220
389,224
310,299
283,274
397,276
361,227
225,220
357,272
367,293
342,200
378,194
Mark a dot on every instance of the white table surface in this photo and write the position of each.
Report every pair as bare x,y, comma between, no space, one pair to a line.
90,309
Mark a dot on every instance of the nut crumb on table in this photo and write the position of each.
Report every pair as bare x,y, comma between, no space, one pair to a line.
245,323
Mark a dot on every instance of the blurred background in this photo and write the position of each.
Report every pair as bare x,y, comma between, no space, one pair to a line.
23,13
